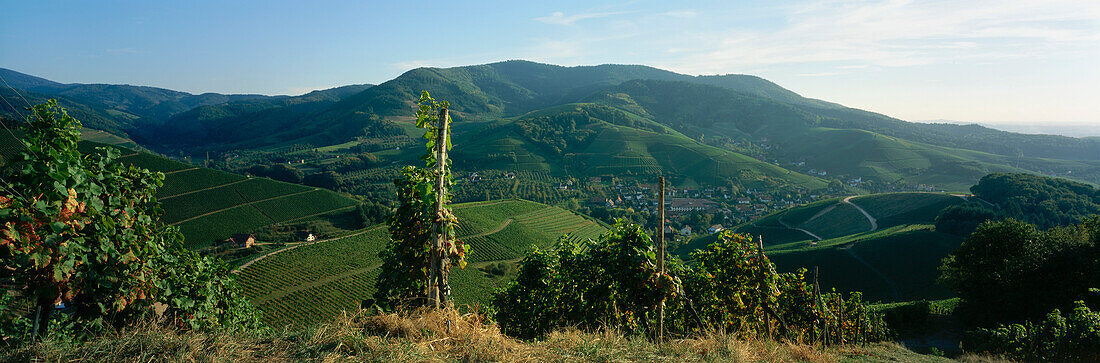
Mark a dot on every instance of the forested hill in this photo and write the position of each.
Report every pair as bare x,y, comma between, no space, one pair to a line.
1044,201
138,101
739,113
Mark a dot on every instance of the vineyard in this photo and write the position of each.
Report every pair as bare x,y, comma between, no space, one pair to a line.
314,283
893,263
210,205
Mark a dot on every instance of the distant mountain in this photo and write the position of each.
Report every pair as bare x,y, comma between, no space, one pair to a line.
819,137
485,92
134,101
1077,130
13,111
25,81
742,109
237,121
584,140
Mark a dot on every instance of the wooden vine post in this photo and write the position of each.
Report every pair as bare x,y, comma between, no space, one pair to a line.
439,290
765,271
661,257
763,288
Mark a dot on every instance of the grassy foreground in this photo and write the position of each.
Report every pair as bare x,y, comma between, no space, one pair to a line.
438,336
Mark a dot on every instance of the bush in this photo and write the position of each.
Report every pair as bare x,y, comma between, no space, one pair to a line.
1075,338
614,283
1010,271
84,231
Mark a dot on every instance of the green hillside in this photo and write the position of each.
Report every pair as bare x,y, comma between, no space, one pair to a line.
896,261
899,263
794,133
210,205
593,140
311,283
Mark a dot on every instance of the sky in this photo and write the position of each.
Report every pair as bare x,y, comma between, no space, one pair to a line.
995,62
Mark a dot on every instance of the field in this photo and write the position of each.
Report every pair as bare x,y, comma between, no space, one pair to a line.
315,282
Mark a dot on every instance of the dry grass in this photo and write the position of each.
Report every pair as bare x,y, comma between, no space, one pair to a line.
428,336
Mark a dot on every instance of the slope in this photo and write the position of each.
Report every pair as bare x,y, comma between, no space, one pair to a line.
897,260
210,205
793,134
313,283
586,139
481,92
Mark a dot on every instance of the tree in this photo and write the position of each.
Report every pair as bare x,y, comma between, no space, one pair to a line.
422,218
85,230
961,220
327,180
1009,271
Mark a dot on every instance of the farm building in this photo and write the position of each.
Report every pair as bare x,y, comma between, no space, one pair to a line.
246,240
715,228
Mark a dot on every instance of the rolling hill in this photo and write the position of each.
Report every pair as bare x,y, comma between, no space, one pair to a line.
741,109
210,205
311,283
891,253
136,101
799,133
586,139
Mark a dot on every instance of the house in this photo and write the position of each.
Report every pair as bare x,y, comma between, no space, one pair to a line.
310,237
715,228
744,201
246,240
690,204
686,231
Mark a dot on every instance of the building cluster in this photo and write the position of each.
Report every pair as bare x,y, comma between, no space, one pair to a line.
720,201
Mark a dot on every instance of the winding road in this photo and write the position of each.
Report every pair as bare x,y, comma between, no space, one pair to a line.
874,223
272,253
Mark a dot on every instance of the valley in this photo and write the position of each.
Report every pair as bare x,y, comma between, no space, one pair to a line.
295,193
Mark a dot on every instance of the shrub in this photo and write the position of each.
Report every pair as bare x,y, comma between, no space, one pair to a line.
1003,271
613,282
1074,338
84,231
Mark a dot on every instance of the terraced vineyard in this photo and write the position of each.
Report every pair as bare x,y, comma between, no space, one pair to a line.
315,282
896,262
210,205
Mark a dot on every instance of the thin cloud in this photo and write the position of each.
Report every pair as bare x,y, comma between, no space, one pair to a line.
559,18
905,33
680,14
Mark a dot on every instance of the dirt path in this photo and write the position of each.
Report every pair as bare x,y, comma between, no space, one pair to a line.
874,223
239,205
821,213
494,230
203,189
179,171
249,263
816,237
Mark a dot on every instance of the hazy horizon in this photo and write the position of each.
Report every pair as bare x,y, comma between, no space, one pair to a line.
986,61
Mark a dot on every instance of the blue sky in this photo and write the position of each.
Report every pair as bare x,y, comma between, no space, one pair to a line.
985,61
